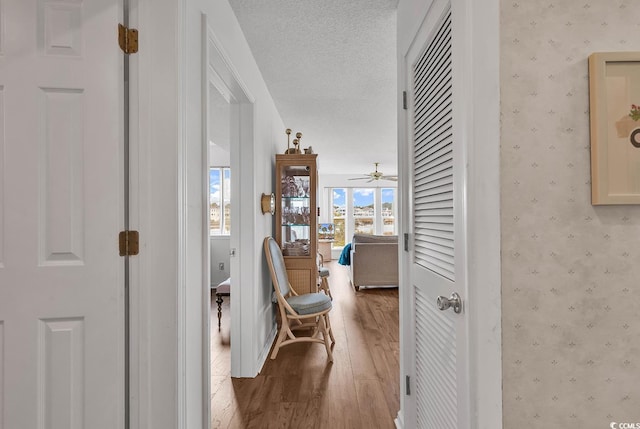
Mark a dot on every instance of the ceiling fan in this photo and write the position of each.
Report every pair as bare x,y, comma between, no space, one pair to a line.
376,175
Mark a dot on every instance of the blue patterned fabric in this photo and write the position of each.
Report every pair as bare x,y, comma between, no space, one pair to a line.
345,256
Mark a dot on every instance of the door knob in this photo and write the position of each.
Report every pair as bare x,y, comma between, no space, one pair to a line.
453,301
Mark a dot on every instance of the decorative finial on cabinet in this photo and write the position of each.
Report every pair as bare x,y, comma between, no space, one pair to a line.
288,133
296,143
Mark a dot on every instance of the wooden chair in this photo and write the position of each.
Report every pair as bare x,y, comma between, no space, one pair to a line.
310,310
323,275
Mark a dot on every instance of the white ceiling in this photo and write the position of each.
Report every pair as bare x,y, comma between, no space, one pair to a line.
330,66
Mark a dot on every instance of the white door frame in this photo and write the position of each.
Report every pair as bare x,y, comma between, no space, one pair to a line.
219,71
168,385
482,128
158,350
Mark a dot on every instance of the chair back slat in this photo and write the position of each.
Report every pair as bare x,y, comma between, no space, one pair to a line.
279,270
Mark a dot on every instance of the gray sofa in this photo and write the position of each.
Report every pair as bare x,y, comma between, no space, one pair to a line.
374,260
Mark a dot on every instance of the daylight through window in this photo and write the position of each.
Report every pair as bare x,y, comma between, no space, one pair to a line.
362,211
219,201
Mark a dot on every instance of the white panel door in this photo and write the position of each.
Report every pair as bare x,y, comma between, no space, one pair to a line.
61,206
439,390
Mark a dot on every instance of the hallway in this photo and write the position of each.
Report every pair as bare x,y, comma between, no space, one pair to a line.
301,389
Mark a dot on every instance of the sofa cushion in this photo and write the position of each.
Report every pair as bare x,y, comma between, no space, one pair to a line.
374,262
366,238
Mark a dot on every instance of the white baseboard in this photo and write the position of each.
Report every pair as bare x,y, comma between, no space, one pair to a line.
264,354
398,421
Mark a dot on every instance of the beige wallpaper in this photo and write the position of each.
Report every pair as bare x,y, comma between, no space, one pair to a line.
570,271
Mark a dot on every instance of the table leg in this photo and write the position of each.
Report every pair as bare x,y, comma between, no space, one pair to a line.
219,301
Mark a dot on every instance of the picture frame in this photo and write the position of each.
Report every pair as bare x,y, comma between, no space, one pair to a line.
614,102
326,231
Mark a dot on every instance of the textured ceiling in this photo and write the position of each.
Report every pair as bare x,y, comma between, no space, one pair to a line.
330,66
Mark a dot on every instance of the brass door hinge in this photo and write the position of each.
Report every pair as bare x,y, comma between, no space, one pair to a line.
129,243
128,39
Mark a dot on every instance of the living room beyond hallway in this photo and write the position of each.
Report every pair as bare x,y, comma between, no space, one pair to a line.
301,388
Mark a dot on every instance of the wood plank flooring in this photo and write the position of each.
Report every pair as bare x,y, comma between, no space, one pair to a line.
301,388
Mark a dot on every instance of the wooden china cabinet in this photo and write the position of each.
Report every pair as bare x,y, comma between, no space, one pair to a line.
296,218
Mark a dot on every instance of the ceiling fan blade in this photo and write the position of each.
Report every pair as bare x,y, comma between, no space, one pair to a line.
375,176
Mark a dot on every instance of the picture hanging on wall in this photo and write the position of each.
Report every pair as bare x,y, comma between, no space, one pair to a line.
614,103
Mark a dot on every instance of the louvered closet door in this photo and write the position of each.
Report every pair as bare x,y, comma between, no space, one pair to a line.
439,335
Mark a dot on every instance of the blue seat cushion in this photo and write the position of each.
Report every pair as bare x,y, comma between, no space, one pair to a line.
309,303
324,272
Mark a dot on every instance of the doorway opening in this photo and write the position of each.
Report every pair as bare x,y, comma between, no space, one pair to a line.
227,126
219,175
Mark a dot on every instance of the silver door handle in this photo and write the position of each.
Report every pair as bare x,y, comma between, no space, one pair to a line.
454,301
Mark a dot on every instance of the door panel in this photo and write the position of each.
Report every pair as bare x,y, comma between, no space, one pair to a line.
61,294
435,355
437,255
2,182
61,200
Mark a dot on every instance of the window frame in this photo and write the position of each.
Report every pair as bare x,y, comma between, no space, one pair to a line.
373,216
344,217
224,198
349,216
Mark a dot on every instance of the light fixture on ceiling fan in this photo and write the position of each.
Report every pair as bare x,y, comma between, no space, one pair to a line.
376,175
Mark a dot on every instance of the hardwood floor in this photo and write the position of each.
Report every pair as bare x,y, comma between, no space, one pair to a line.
301,388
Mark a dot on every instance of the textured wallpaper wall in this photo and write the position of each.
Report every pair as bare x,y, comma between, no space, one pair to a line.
570,271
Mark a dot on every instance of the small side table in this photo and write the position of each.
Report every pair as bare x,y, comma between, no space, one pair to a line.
223,289
324,248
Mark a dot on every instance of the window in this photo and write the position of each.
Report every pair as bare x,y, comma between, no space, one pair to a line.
339,204
388,211
219,201
364,211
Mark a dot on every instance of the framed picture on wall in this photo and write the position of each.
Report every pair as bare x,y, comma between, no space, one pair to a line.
614,101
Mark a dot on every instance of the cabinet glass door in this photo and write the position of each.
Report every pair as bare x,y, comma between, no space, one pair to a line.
296,211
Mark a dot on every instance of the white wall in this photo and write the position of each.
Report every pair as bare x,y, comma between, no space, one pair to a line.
218,156
219,253
253,178
155,133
